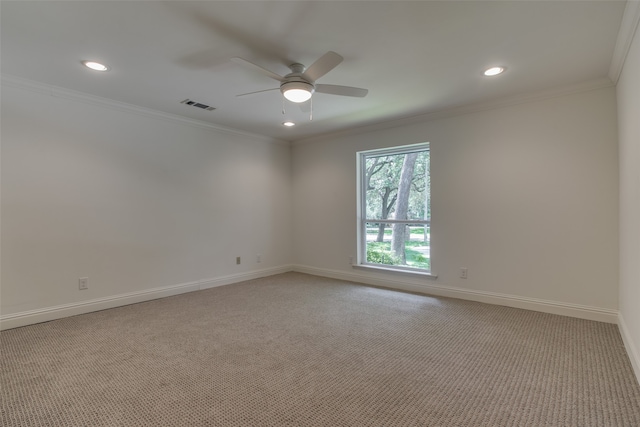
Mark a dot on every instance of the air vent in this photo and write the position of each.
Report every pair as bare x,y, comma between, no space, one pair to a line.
197,104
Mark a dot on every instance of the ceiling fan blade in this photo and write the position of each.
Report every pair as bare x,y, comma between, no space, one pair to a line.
342,90
258,91
323,65
249,64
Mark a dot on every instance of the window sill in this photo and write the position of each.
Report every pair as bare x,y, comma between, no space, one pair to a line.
392,270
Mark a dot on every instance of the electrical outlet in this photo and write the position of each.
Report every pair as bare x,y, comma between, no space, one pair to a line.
83,283
463,273
258,258
237,260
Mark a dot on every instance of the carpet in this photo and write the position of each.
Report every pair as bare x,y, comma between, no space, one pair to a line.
301,350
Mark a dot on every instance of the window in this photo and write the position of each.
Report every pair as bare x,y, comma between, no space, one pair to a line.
394,213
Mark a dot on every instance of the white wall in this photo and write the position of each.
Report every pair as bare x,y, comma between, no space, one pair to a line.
628,91
525,197
133,201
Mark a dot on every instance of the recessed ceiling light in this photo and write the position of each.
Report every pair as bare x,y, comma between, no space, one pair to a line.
494,71
95,66
289,124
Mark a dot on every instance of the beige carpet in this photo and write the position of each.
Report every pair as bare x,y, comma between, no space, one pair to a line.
299,350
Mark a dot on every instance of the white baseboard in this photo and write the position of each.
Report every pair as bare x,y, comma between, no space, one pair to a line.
632,350
545,306
31,317
573,310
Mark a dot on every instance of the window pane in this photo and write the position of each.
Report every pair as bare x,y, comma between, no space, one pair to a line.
394,207
413,250
397,186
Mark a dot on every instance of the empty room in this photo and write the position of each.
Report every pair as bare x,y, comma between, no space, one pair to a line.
320,213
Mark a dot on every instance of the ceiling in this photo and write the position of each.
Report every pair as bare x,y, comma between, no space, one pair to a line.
415,57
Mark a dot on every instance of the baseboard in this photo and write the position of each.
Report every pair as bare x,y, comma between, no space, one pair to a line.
573,310
632,350
31,317
545,306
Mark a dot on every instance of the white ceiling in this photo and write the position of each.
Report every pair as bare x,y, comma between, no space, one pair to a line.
415,57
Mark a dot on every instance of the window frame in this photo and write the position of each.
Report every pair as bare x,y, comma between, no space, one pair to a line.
362,220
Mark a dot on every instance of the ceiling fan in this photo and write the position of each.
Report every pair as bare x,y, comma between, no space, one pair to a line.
300,84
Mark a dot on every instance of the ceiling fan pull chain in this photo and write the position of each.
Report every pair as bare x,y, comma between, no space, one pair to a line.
311,109
283,112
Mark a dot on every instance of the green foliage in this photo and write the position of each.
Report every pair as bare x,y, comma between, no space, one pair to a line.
380,253
383,175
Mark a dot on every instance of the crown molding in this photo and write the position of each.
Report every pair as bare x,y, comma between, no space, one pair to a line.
628,28
76,96
55,91
523,98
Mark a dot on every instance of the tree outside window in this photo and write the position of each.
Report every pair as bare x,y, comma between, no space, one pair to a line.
394,207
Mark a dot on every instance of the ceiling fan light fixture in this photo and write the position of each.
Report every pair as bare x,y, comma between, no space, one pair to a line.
288,124
297,91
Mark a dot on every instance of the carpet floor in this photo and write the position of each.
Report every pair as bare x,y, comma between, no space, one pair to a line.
301,350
